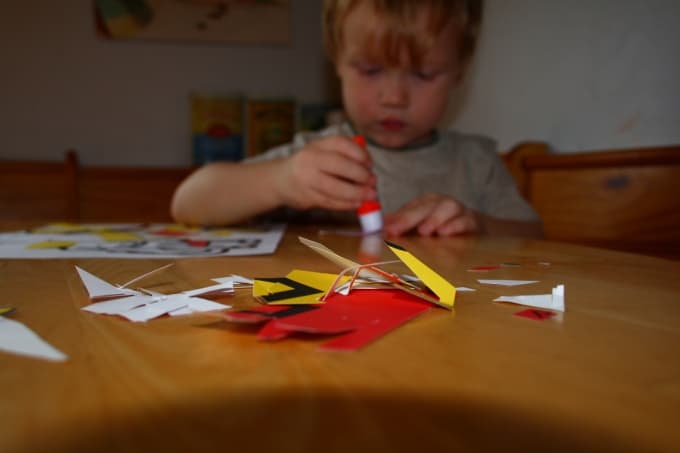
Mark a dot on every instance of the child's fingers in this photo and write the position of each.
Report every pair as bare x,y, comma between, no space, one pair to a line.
346,147
406,219
443,210
341,167
342,191
432,214
458,225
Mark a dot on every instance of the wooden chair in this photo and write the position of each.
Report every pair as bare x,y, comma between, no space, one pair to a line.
622,199
36,192
127,194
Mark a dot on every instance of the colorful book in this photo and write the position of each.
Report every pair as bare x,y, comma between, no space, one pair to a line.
216,128
271,122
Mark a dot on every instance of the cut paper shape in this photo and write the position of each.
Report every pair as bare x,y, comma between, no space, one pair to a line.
298,287
120,305
285,290
536,314
265,313
431,280
507,282
16,338
358,318
554,301
486,268
99,289
435,282
236,280
140,307
341,261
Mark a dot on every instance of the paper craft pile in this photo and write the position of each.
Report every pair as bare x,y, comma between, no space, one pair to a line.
359,305
141,306
356,306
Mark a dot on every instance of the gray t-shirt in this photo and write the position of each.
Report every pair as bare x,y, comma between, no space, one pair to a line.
462,166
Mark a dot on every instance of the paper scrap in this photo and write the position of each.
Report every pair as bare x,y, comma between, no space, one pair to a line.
99,289
488,268
536,314
554,301
16,338
358,318
507,282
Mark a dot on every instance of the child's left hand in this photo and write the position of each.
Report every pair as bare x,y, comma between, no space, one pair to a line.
433,214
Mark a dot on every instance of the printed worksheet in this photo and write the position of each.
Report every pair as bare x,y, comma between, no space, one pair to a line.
64,240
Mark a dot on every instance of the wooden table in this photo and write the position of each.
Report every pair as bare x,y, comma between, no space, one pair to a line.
603,376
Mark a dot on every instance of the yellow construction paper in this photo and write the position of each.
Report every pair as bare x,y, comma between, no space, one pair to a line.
308,279
438,284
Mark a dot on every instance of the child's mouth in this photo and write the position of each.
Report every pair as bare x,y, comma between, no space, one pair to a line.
392,125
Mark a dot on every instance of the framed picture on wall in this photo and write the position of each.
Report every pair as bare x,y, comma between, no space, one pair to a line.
207,21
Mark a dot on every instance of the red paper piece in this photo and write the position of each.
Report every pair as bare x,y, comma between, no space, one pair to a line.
271,332
535,314
488,268
364,315
264,313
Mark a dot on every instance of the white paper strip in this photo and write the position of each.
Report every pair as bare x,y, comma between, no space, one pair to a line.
16,338
118,306
507,282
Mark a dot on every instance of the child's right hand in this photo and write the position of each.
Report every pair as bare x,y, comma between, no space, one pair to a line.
331,173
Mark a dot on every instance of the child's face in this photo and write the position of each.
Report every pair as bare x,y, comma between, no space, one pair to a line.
395,105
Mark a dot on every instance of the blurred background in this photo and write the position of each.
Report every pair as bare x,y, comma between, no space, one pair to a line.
579,75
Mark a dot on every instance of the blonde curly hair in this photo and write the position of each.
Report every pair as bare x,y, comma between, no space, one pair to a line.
400,31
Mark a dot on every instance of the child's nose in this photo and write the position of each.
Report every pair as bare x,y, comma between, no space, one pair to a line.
394,90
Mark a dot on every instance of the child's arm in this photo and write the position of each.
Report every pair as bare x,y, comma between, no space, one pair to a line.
436,214
330,173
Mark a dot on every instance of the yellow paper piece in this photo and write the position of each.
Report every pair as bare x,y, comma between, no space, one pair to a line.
51,245
118,236
438,284
298,287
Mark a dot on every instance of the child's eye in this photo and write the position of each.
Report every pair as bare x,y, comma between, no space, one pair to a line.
369,70
424,75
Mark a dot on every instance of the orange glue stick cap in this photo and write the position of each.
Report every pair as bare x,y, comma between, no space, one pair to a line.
359,140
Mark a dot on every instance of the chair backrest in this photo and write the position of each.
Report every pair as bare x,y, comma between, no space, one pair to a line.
128,194
623,199
33,191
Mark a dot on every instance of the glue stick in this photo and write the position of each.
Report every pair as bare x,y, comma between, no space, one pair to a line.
370,212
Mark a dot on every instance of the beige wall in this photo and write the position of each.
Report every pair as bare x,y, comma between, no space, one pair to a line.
584,74
580,75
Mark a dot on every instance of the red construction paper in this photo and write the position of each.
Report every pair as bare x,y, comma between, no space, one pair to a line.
488,268
271,332
254,316
364,315
535,314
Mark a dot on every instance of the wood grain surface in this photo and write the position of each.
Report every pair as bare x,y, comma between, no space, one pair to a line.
603,376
